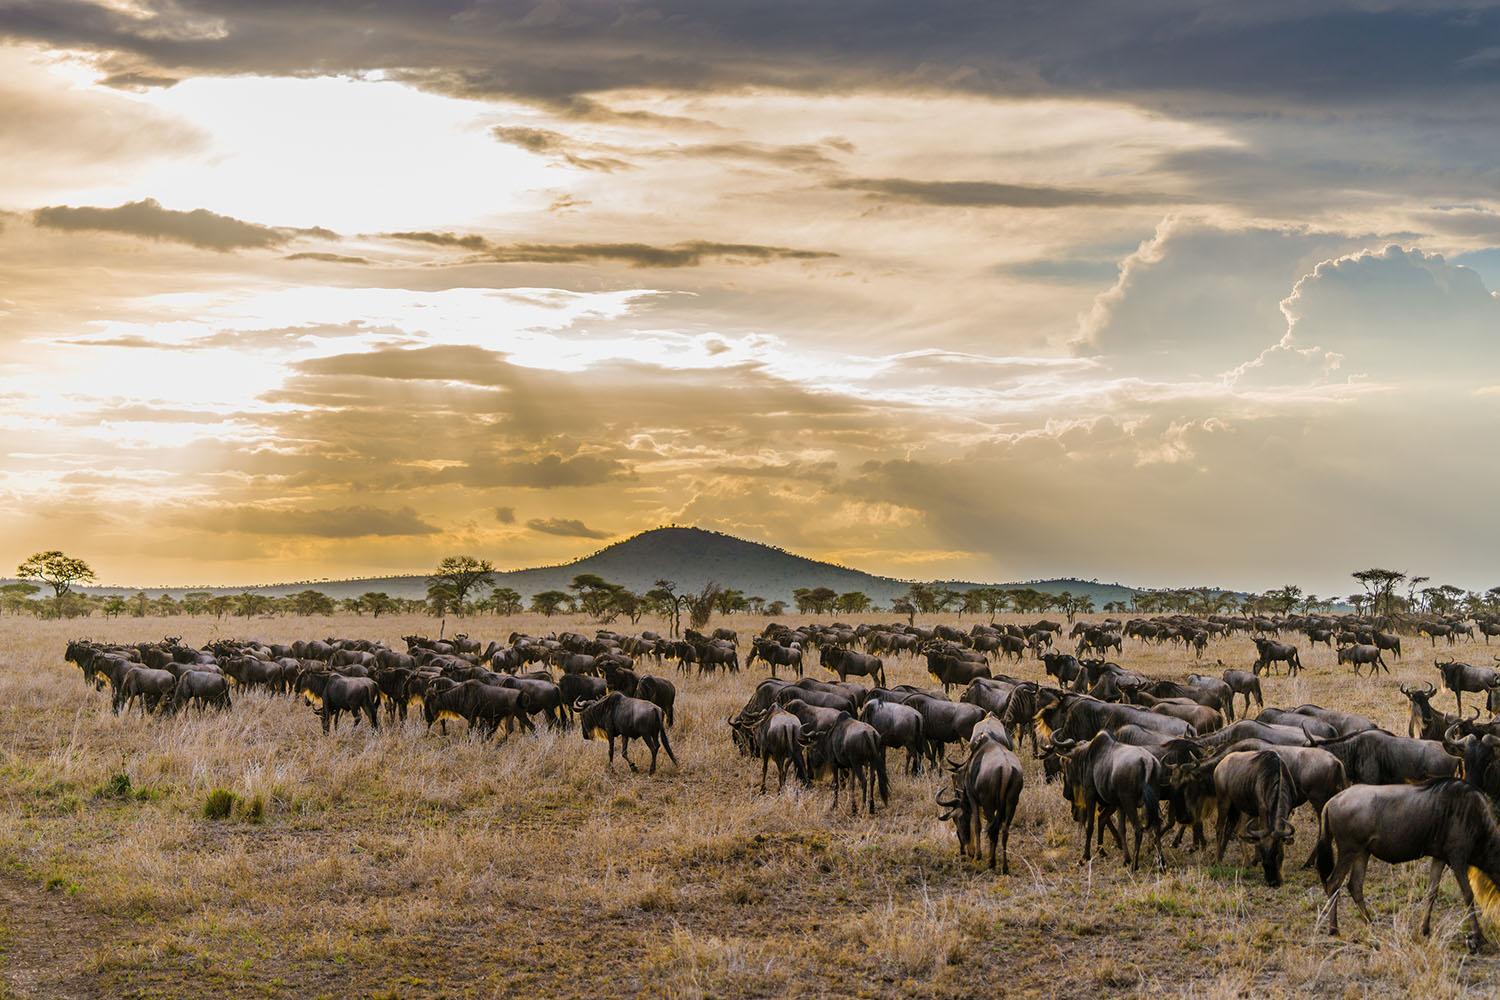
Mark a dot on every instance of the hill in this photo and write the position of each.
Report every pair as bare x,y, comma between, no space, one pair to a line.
690,557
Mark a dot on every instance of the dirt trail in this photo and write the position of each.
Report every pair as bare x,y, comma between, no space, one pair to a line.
42,955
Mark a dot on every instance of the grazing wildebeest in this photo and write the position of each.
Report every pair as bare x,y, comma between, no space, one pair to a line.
986,788
851,750
1270,652
774,654
1446,820
845,662
1258,785
1362,655
615,715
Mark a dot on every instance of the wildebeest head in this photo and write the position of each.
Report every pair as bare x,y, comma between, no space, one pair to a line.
1271,831
1480,754
591,714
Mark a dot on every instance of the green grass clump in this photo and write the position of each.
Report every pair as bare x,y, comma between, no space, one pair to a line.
220,803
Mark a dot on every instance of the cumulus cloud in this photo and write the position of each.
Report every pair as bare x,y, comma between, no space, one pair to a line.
564,526
149,220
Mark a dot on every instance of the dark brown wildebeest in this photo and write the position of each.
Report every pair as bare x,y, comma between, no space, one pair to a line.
1446,820
1387,641
1376,757
1243,682
899,726
949,666
779,738
846,662
986,789
616,716
331,695
151,687
1362,655
1426,722
1269,652
1309,724
1461,677
1103,777
851,750
773,654
1256,784
202,688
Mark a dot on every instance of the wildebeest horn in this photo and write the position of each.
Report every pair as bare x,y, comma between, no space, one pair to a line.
1452,745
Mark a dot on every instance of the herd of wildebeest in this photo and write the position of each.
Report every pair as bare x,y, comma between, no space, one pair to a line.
1144,758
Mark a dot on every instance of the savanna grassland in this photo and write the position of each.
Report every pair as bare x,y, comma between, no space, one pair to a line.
403,864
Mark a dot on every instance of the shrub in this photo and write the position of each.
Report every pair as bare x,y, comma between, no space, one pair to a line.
220,803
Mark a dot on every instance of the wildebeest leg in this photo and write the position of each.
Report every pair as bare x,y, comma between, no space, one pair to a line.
765,765
625,752
1139,826
1088,835
1434,879
611,753
993,832
323,715
1357,884
655,745
1229,818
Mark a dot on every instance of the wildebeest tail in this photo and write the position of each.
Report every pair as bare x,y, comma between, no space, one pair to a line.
666,742
1323,853
1151,805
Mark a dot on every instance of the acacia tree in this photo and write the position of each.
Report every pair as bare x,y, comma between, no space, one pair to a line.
700,606
855,602
662,599
57,570
461,574
1284,599
1380,584
549,602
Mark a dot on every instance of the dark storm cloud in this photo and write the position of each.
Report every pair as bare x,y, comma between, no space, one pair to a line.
987,194
147,219
687,254
565,526
554,52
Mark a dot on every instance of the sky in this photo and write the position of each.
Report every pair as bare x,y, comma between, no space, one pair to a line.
1166,293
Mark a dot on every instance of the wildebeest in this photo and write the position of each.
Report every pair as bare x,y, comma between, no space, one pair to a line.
331,695
201,688
1243,682
1446,820
779,737
1103,777
1270,652
1461,677
851,750
1258,785
899,726
1362,655
845,662
986,789
1376,757
151,687
615,715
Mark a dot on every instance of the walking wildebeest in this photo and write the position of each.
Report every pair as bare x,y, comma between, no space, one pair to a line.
986,788
615,715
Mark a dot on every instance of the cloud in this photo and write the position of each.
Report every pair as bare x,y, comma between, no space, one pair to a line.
1394,313
567,527
328,258
334,522
149,220
505,515
1197,299
687,254
989,194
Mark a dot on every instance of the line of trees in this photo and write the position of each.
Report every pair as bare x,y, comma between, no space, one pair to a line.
465,585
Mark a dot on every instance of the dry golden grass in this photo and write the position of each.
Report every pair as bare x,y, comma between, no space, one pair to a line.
404,864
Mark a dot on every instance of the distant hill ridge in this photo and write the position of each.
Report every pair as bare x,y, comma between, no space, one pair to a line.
690,557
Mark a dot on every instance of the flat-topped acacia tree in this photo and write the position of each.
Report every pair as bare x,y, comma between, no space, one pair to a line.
57,570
